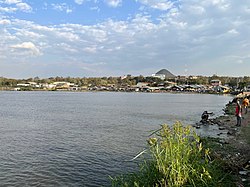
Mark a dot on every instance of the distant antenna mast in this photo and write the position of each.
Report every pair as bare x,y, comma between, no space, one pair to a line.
186,71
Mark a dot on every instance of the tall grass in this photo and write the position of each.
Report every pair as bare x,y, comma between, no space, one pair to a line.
176,158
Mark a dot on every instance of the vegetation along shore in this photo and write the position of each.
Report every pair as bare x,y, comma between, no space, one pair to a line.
162,81
177,156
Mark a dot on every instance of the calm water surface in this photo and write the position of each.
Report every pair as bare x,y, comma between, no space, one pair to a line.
79,139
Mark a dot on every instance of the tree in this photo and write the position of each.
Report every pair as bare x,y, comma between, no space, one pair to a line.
242,85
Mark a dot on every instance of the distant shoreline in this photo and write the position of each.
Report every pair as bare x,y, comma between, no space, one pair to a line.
95,91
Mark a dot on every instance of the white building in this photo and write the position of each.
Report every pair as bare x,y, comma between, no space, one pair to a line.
160,76
142,84
215,82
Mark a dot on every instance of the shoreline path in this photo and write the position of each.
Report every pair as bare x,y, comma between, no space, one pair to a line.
230,143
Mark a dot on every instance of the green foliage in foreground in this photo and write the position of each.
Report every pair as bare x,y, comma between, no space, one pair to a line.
177,158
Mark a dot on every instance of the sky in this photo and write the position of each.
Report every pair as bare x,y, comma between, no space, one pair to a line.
96,38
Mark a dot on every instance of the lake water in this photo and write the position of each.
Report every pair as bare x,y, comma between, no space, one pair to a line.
79,139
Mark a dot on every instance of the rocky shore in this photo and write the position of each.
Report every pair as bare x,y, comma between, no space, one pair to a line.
229,143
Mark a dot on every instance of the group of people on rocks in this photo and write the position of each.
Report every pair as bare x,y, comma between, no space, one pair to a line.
240,108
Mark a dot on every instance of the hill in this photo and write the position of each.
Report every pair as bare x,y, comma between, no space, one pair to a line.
165,72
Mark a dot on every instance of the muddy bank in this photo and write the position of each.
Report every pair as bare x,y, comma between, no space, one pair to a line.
229,143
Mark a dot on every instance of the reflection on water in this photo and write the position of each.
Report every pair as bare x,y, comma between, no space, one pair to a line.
79,139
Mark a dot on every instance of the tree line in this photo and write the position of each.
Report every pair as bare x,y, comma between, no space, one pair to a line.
239,82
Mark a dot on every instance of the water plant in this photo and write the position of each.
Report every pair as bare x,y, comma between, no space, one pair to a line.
176,157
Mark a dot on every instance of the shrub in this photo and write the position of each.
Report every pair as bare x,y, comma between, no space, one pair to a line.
176,158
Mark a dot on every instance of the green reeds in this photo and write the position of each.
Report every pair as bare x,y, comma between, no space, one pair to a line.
177,158
180,157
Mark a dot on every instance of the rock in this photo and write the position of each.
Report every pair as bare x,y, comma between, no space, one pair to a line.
222,128
219,123
246,165
243,172
223,142
231,133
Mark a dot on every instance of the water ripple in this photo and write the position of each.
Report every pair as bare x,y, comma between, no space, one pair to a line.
64,139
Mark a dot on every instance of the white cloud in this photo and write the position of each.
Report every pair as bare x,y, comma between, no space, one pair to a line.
7,37
233,31
19,6
197,10
68,35
158,4
222,4
63,7
96,8
7,9
5,22
143,24
27,46
29,34
246,9
114,3
67,47
79,2
38,27
199,33
12,1
24,7
90,49
240,62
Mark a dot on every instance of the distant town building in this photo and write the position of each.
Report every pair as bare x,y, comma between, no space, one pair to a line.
170,83
28,84
124,77
142,84
160,76
193,77
182,77
221,88
164,74
215,82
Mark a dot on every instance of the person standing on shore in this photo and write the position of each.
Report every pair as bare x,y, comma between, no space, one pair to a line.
245,104
238,113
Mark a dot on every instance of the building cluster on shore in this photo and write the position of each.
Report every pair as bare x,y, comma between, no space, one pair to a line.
215,86
62,85
162,81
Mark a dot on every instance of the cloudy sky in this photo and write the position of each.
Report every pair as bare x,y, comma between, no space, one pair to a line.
86,38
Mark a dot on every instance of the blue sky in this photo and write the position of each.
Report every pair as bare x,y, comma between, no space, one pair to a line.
89,38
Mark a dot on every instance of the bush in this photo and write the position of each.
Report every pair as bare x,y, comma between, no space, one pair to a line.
176,158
